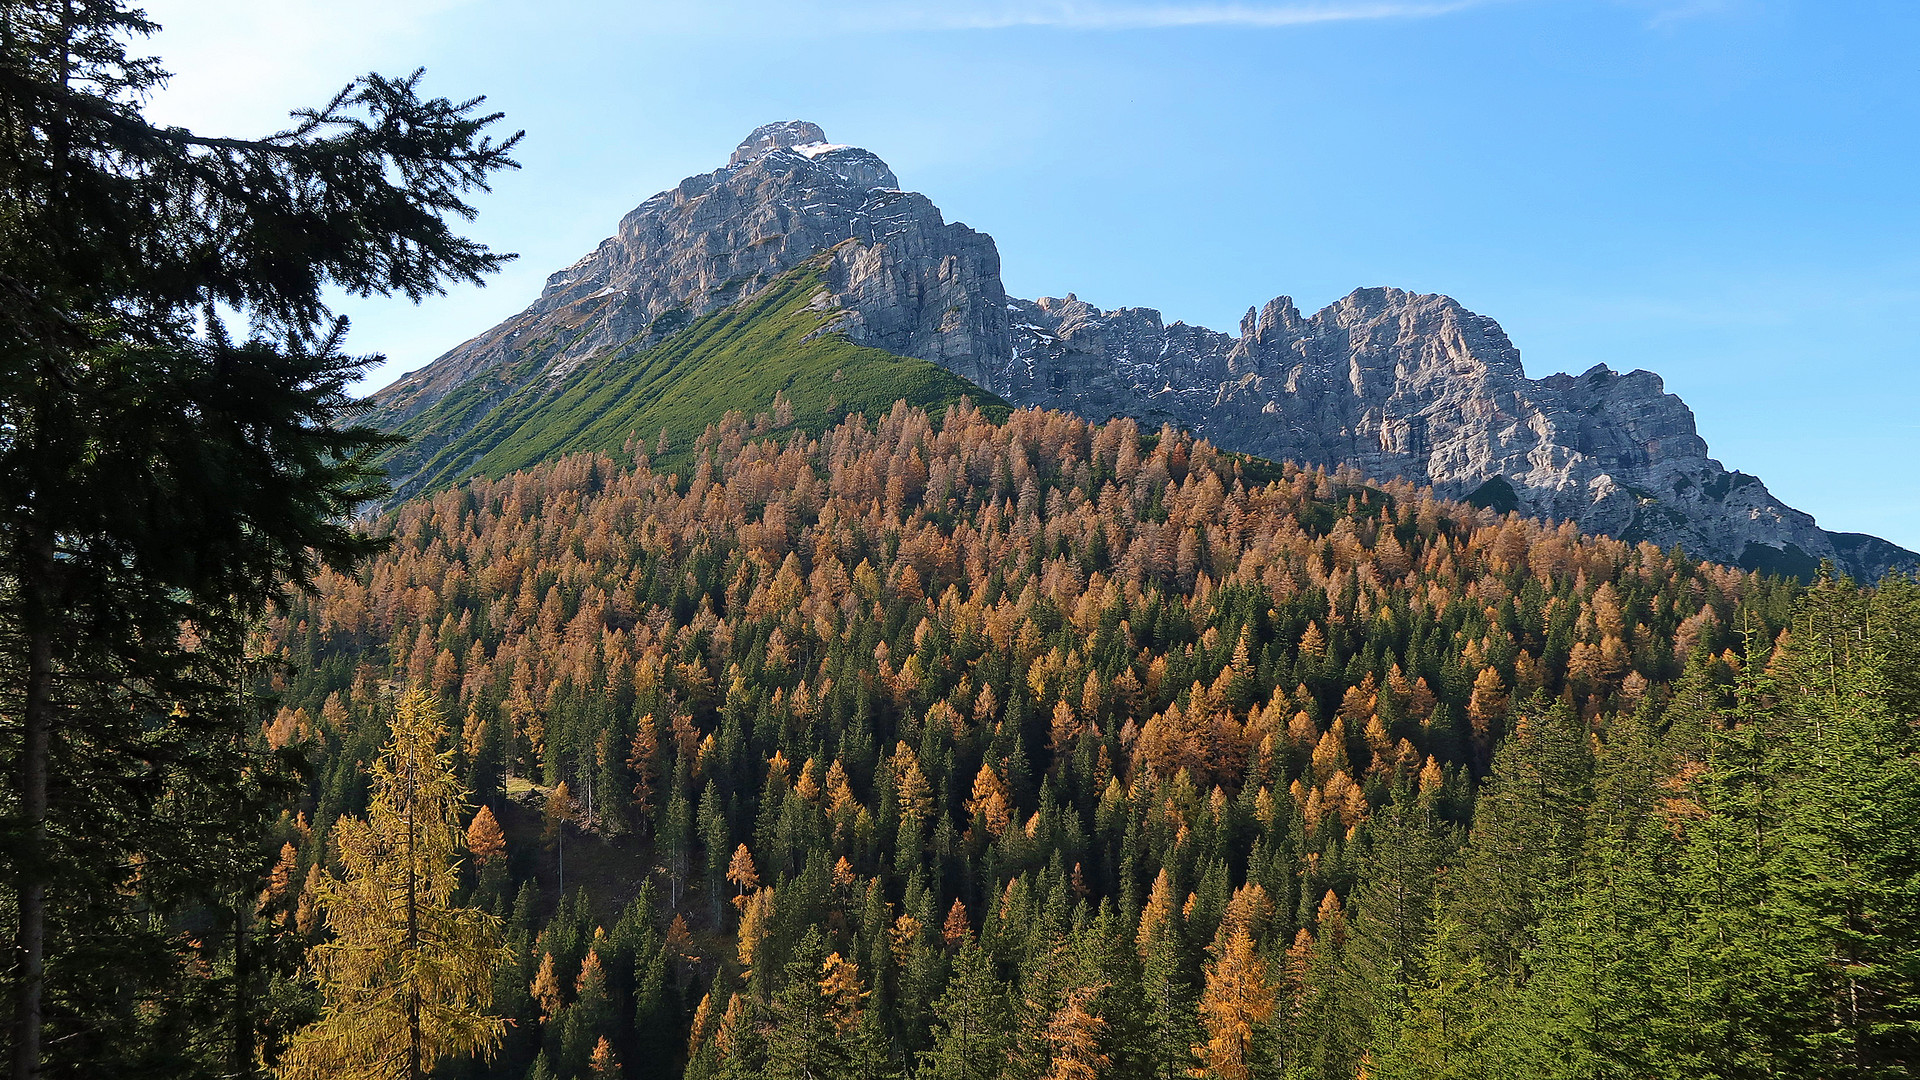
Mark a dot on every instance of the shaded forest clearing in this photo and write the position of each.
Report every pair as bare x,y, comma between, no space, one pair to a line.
610,870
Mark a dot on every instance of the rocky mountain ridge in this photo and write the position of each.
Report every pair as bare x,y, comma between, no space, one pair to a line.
1391,382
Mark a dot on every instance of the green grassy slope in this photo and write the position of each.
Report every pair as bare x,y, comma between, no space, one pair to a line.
734,359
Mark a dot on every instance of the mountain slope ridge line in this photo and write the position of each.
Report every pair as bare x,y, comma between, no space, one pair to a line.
1394,383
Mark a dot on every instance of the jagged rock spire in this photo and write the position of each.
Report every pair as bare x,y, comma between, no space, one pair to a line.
776,136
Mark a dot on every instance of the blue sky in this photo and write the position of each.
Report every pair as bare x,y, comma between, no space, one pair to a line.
1721,191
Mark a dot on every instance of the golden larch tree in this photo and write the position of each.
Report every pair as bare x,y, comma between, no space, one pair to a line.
741,872
1486,708
560,810
1238,999
958,928
1074,1036
406,976
756,922
484,839
545,988
603,1065
643,761
840,988
990,801
280,879
1157,917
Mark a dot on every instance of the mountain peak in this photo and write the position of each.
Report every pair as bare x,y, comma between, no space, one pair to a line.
780,135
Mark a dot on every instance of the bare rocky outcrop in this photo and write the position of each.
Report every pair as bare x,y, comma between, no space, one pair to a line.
1396,384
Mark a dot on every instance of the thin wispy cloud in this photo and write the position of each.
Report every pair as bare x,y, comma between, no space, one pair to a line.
1161,16
1677,11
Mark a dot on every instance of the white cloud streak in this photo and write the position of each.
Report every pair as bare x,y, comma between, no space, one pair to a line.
1099,16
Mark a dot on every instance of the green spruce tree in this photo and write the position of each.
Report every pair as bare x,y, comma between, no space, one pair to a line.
969,1021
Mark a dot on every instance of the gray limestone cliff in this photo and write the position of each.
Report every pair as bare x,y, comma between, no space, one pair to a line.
1396,384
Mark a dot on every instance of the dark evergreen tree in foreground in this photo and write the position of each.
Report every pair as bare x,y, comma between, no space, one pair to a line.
160,483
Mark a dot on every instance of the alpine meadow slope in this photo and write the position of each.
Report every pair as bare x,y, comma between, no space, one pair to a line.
770,353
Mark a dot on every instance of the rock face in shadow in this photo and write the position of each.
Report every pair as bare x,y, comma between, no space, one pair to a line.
1393,383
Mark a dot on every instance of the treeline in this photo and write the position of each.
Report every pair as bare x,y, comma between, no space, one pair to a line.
1053,749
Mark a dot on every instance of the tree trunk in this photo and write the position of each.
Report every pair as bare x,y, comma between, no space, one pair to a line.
413,940
245,911
38,588
240,1062
35,744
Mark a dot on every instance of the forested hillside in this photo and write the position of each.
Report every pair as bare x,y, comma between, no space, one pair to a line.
959,749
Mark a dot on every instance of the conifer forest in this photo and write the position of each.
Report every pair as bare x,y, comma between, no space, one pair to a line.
1049,749
941,741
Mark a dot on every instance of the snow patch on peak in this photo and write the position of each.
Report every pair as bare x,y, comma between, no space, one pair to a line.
767,138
